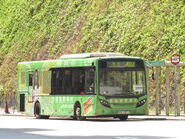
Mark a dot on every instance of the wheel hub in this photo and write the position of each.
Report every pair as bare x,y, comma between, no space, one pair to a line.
78,111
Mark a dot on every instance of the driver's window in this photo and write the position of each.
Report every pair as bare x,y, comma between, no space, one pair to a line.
89,80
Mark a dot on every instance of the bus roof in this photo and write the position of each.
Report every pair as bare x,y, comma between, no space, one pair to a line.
89,55
86,59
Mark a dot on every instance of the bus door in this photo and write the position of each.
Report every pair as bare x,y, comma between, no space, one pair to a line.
23,90
36,90
30,87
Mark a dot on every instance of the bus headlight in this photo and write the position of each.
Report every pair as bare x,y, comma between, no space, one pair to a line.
105,103
141,102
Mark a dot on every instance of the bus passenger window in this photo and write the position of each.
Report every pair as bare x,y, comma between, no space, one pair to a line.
56,82
22,79
73,81
30,79
78,78
67,82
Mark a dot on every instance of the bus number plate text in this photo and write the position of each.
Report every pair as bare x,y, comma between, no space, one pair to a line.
123,112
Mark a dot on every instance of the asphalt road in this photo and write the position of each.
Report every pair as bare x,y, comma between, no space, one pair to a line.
21,127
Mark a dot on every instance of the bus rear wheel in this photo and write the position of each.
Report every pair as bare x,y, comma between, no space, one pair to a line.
77,113
123,117
38,112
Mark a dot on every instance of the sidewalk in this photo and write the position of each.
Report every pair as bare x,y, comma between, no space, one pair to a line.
12,113
147,117
142,117
161,117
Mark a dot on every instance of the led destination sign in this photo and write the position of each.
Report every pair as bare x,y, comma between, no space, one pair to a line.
121,64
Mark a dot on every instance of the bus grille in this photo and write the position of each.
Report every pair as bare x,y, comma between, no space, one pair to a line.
121,106
123,103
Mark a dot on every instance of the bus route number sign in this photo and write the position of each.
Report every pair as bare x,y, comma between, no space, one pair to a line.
175,59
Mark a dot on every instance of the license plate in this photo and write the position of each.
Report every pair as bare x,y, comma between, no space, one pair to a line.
123,112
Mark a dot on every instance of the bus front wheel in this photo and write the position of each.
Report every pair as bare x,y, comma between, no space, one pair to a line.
77,113
123,117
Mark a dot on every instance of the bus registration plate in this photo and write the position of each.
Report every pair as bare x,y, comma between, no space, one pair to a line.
123,112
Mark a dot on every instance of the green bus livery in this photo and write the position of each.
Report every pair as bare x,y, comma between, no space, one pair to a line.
83,85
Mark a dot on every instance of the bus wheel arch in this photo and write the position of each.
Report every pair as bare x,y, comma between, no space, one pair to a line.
78,111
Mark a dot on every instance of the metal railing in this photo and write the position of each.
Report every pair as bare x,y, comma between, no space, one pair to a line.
166,88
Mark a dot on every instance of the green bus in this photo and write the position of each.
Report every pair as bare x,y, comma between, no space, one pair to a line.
83,85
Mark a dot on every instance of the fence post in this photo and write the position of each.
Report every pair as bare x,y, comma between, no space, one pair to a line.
167,90
157,86
178,90
148,84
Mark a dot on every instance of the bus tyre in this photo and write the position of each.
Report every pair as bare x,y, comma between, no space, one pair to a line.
123,117
37,112
77,114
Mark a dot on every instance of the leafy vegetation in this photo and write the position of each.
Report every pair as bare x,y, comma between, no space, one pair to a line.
47,29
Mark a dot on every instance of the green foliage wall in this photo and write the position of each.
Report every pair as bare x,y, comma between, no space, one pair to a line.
47,29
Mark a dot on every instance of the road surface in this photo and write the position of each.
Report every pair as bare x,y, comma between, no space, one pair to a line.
21,127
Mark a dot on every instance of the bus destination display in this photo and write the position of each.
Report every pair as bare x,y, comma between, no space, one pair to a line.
121,64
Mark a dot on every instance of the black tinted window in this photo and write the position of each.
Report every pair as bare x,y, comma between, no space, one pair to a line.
73,81
30,79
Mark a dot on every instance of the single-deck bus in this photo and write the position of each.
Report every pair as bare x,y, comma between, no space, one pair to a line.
83,85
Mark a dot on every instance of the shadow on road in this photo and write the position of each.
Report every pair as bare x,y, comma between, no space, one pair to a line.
26,133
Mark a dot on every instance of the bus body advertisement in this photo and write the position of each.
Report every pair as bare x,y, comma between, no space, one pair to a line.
83,85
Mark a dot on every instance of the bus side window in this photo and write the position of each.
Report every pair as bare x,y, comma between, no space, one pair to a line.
22,79
53,82
67,84
46,82
73,81
30,79
78,77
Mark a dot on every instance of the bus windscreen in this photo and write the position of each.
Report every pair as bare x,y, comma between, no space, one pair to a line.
122,79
